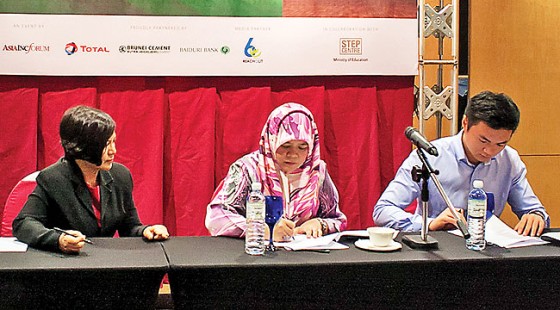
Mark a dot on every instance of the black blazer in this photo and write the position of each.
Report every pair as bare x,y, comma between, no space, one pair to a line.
62,199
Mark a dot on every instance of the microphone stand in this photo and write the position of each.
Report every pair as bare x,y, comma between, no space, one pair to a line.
423,175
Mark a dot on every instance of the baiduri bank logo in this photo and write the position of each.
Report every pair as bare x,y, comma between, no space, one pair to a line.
210,50
72,48
252,53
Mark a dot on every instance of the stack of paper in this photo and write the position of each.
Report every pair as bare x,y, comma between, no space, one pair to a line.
10,244
498,233
328,242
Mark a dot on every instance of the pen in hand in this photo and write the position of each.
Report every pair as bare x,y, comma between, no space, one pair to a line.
86,240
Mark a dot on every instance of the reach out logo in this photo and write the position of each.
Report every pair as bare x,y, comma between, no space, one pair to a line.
71,48
252,52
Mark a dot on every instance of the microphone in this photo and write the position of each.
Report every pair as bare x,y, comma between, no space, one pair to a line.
420,141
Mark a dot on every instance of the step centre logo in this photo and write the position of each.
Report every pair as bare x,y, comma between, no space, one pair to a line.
350,46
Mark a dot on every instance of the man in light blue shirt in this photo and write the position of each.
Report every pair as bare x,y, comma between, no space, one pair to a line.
478,152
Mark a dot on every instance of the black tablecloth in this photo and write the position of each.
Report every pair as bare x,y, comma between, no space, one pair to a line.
210,272
120,273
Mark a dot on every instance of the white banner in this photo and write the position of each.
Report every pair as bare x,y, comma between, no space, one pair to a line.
76,45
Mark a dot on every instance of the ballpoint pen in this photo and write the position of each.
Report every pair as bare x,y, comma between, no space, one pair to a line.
317,250
86,240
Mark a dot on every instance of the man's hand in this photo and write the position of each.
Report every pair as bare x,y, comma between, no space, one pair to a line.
445,220
531,224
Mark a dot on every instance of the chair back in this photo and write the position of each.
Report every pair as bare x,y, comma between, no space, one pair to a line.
16,200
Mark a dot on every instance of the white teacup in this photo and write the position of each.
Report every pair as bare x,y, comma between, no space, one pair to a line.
381,236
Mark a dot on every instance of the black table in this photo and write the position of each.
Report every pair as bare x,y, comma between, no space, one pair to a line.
120,273
210,272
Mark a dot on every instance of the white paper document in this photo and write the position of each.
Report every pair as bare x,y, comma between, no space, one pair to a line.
500,234
10,244
551,236
328,242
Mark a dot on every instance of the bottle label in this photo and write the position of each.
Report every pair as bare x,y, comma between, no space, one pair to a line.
255,210
477,208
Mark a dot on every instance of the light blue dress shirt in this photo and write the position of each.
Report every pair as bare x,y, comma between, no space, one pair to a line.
504,175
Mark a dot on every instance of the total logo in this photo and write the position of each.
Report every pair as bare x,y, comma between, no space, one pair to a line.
72,48
252,53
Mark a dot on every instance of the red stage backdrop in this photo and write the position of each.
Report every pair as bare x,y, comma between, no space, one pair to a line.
178,135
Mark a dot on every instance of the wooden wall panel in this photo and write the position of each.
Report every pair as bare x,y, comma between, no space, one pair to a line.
515,49
543,171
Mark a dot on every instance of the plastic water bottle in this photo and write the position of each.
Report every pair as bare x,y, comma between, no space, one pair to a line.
476,216
254,236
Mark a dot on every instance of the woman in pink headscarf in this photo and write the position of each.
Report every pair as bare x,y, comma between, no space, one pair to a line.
287,164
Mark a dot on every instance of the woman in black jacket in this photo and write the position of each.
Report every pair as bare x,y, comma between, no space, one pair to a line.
85,192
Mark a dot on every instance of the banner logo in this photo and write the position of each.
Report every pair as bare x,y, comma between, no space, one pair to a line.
26,48
207,50
350,46
71,48
145,49
250,50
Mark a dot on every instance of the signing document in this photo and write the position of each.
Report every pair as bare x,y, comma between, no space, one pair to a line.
10,244
328,242
500,234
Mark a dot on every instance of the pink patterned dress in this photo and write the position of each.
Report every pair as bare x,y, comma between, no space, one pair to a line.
308,192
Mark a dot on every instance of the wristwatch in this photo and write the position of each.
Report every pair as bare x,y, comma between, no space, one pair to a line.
324,227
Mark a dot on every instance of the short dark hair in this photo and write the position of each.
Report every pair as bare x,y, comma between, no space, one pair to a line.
84,132
498,111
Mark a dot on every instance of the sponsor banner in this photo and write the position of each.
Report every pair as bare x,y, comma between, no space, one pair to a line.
206,46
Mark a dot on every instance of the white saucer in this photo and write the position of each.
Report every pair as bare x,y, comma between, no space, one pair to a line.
366,245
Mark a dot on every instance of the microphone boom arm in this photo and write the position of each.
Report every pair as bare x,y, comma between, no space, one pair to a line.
462,225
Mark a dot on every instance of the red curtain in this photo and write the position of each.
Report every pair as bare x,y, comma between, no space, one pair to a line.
178,135
18,137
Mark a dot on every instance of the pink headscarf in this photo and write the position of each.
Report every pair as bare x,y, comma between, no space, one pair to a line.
292,121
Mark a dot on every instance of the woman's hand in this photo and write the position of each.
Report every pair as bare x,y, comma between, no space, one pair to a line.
156,232
284,230
70,244
311,228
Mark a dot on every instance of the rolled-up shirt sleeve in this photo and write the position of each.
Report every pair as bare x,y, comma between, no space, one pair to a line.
399,194
521,197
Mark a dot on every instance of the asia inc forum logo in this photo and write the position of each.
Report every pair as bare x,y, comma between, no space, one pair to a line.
27,48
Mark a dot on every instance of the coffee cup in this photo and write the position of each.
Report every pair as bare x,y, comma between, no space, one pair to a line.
381,236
